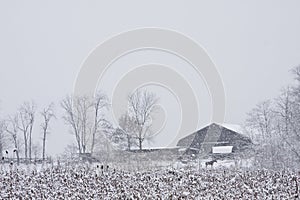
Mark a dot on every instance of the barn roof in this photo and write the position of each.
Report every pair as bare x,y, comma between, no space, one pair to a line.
215,135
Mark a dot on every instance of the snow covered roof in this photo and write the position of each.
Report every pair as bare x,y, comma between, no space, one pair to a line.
234,127
229,134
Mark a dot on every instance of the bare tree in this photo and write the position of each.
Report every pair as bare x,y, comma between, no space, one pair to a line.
12,128
291,104
24,127
83,106
2,136
72,118
141,106
31,109
129,129
27,117
85,117
47,115
100,102
261,122
278,125
296,72
284,108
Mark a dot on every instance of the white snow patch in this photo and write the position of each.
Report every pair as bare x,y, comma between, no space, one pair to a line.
222,149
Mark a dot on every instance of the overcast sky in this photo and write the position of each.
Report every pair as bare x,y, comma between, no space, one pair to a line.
254,44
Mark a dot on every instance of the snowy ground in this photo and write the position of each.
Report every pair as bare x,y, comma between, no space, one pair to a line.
93,182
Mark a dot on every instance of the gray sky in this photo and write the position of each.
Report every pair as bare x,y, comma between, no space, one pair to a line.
254,44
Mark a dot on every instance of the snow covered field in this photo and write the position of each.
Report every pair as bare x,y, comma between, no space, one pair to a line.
93,182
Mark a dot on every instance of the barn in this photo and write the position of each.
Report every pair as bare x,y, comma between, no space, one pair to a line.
216,139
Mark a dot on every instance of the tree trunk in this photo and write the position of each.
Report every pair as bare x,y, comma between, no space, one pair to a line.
16,148
30,146
18,157
82,142
93,143
140,143
78,142
1,149
128,143
25,146
94,133
83,148
44,144
140,137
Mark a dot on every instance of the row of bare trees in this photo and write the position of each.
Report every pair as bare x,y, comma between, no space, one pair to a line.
86,119
16,130
274,125
88,124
